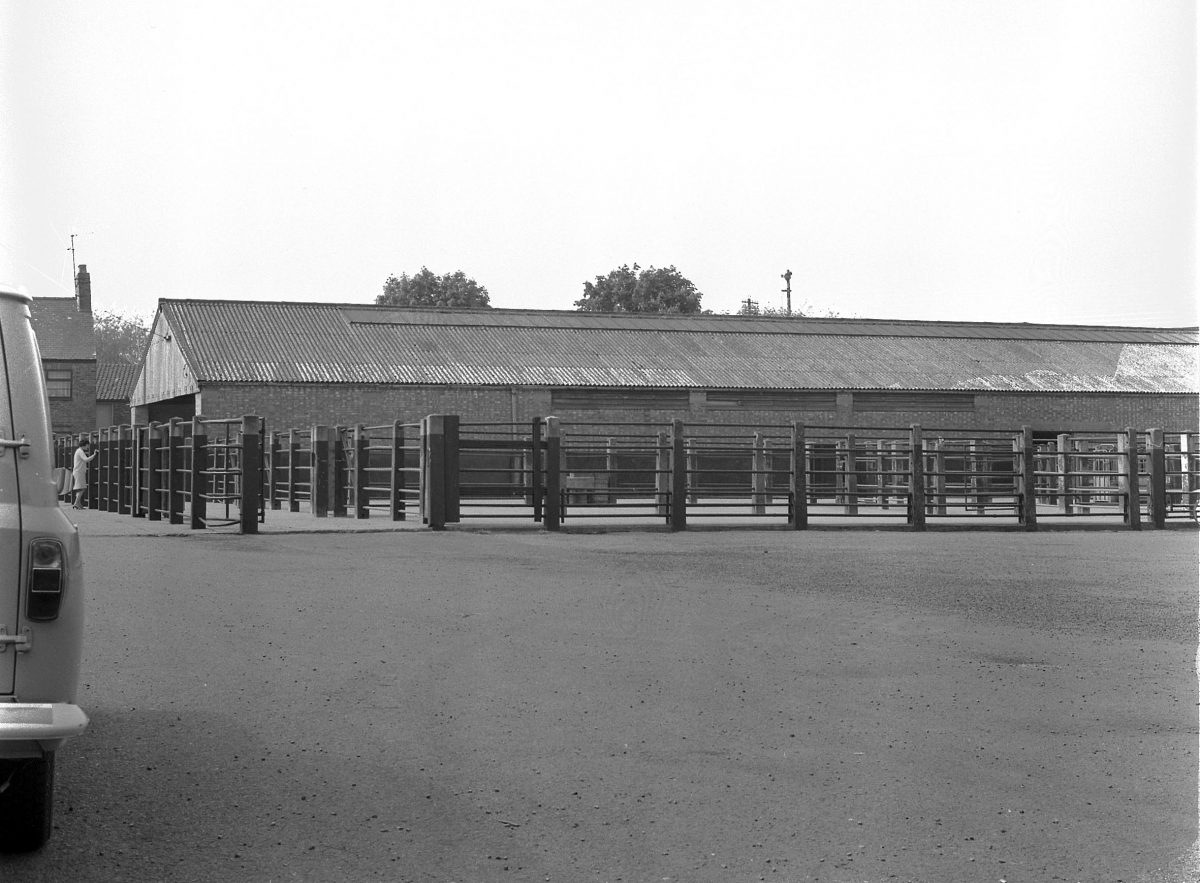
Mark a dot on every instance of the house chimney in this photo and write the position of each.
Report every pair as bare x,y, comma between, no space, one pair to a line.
83,290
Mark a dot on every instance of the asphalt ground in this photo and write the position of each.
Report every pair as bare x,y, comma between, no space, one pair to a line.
472,705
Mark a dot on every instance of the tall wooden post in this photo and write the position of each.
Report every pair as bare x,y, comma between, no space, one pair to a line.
679,477
361,497
453,469
1158,478
916,489
535,468
1129,484
318,499
1028,479
662,475
552,514
692,466
758,476
937,456
250,478
199,477
799,480
1063,443
396,475
851,475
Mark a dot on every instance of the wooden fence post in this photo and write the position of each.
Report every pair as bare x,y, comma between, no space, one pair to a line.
1028,479
318,485
662,475
1158,478
397,475
251,479
939,505
337,467
433,447
679,477
758,476
1063,443
1129,484
199,477
799,480
692,459
916,489
851,483
553,511
361,497
534,493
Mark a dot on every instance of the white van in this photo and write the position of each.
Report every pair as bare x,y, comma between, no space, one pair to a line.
41,592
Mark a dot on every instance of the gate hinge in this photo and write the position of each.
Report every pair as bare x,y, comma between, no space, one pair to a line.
23,642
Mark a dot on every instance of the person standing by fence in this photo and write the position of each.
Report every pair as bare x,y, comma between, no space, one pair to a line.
79,470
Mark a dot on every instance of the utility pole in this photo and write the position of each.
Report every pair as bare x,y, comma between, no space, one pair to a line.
787,277
749,307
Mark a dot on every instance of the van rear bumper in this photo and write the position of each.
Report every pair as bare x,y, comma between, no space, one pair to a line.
29,729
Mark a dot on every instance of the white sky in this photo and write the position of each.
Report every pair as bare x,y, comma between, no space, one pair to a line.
984,160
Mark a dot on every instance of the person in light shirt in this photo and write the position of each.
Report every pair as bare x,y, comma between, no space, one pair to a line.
79,471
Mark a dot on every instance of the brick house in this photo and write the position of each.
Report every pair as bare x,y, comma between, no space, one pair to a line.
67,341
298,364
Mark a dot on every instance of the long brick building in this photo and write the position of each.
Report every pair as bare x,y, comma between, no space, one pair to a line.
297,364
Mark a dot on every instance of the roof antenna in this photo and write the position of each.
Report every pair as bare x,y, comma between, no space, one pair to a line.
71,249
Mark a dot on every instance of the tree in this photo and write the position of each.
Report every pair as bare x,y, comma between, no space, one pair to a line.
634,290
120,338
424,289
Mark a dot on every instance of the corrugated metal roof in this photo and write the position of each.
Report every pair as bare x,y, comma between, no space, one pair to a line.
63,333
252,341
115,382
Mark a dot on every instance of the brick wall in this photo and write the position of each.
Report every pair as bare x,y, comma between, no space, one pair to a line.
300,405
78,413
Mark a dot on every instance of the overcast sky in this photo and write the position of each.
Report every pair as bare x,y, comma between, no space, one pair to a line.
983,160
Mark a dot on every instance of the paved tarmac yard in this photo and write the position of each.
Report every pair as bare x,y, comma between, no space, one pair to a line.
711,706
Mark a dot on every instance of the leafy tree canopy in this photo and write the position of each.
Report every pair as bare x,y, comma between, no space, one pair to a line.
635,290
424,289
120,338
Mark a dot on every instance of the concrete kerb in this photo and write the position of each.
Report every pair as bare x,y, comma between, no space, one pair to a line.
98,523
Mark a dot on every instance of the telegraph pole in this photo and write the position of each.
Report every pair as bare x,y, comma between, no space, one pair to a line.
787,277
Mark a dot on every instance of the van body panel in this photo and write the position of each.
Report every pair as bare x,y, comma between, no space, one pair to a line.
44,668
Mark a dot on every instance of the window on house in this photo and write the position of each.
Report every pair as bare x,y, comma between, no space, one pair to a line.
58,383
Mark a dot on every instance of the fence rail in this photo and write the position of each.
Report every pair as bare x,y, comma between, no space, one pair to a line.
227,472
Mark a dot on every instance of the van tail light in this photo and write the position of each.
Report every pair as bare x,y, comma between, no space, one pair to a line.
47,580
